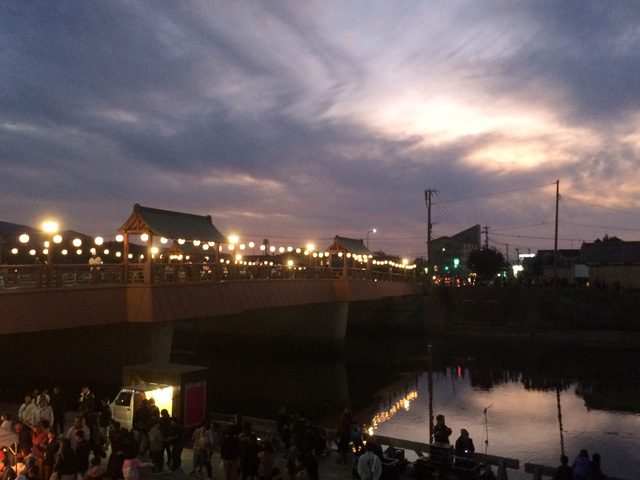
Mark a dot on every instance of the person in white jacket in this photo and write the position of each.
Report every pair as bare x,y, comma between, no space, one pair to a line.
44,411
28,410
7,424
369,464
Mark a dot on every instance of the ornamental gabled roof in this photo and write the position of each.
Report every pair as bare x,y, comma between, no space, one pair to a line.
349,245
174,225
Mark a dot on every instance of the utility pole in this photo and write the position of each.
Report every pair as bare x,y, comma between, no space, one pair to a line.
555,240
507,252
485,230
427,199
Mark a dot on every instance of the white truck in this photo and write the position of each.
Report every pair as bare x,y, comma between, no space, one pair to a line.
130,398
181,389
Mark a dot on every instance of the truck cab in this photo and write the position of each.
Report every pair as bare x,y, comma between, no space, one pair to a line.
130,398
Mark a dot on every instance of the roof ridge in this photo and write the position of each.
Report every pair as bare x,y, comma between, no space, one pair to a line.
138,208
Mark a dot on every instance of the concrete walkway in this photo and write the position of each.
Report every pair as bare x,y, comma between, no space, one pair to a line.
329,469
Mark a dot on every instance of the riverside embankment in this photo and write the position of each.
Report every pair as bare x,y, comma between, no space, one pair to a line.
583,315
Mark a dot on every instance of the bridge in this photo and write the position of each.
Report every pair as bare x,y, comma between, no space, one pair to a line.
126,315
35,298
129,304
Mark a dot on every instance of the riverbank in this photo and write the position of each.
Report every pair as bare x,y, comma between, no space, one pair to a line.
584,314
550,336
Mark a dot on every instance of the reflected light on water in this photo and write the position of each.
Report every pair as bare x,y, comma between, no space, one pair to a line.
513,420
403,404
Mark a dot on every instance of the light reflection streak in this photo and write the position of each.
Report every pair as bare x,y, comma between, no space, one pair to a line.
404,403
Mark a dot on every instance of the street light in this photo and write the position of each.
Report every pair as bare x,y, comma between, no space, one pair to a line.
370,231
51,228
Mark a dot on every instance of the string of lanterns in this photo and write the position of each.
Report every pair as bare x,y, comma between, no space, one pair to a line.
50,229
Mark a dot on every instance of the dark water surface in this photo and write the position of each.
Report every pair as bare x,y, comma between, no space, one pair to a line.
526,400
518,399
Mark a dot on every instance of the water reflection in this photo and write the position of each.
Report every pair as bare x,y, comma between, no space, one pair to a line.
403,404
517,399
530,402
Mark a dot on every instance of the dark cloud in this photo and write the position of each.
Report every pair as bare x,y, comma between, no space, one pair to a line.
585,54
281,119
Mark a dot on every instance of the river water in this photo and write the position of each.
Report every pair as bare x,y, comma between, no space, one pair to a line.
513,421
524,400
518,399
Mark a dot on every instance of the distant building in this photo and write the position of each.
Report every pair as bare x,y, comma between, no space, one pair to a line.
449,254
564,264
610,264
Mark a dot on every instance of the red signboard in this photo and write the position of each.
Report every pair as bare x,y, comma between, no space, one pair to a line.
195,401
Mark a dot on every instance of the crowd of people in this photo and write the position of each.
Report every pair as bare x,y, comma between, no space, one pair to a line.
463,447
96,447
582,468
368,456
44,448
47,451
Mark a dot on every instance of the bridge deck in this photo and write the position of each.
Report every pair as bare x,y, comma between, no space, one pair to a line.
69,297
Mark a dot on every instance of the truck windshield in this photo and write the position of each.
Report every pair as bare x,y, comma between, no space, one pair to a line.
123,399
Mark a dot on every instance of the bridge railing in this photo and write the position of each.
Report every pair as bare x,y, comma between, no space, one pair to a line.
14,277
40,276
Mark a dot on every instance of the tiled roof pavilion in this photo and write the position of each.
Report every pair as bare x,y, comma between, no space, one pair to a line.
174,225
349,249
169,224
349,245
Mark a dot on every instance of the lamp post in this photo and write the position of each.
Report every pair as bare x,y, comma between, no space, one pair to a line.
370,231
50,228
309,252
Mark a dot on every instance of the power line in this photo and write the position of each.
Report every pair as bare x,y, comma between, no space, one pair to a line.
541,238
608,227
523,226
499,193
447,216
441,208
602,206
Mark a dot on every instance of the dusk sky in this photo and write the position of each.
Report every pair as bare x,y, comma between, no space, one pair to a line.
297,121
